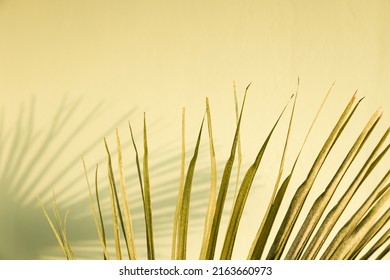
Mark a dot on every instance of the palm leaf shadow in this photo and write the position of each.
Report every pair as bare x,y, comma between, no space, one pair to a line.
366,225
26,158
164,190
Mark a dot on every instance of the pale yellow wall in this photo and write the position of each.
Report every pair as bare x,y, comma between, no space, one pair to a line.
158,56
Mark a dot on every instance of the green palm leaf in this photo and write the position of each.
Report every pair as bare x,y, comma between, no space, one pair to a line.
365,235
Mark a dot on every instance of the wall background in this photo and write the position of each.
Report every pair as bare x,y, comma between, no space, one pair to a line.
157,57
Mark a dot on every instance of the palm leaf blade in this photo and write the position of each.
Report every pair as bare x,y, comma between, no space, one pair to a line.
213,189
224,187
299,198
318,208
181,190
350,225
243,193
148,202
185,206
128,226
114,210
351,242
382,240
335,213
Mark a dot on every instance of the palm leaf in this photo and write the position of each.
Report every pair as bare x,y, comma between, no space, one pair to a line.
334,214
240,201
368,224
382,240
299,198
239,152
114,206
224,188
213,189
97,219
384,253
351,243
128,230
145,192
181,191
379,224
185,205
148,203
60,230
318,208
349,226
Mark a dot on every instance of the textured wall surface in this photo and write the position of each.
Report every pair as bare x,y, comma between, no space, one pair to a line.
107,62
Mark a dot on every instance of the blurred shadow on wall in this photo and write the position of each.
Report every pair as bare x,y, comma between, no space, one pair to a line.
27,156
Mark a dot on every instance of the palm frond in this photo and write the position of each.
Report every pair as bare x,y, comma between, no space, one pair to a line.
365,235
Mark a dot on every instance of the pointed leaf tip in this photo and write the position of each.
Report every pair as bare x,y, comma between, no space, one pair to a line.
361,99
